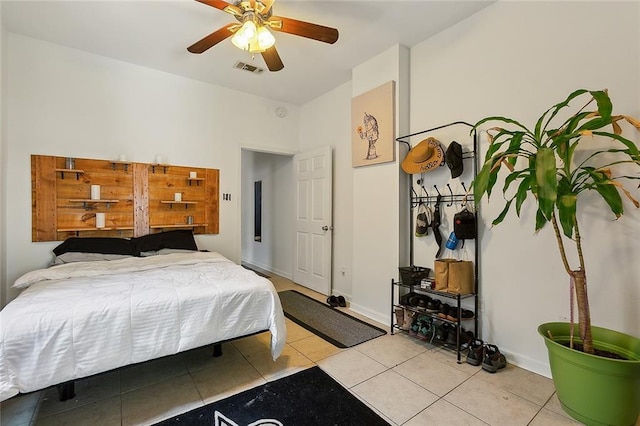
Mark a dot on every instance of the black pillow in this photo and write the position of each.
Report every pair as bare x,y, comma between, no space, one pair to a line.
180,239
102,245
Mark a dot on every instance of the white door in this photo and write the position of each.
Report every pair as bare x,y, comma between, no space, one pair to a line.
313,219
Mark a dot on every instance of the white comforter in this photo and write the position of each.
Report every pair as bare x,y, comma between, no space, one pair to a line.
79,319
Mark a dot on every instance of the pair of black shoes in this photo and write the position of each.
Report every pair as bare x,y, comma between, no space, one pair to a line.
335,301
452,338
489,355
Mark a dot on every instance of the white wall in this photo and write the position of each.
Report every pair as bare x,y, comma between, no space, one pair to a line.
65,102
376,200
327,121
3,204
275,251
518,59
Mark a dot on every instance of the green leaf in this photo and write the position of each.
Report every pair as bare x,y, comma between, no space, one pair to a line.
546,179
594,124
510,179
558,107
567,213
633,149
532,166
501,119
573,122
611,195
523,191
481,182
541,221
503,213
493,178
604,103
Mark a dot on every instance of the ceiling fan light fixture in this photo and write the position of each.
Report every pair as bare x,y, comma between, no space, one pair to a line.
245,36
265,38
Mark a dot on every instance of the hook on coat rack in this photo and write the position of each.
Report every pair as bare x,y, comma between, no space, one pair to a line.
451,193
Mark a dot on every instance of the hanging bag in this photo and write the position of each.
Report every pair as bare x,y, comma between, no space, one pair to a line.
460,279
441,273
464,225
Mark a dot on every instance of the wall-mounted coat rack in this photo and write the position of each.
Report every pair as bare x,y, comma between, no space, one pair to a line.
446,195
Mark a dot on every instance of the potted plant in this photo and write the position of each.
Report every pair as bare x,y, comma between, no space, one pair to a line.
542,167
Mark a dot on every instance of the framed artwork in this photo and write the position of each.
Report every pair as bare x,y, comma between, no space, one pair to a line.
373,126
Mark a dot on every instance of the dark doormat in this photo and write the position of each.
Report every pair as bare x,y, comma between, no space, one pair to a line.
333,325
251,268
310,397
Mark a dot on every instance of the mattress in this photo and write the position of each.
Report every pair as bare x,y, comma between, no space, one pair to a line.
84,318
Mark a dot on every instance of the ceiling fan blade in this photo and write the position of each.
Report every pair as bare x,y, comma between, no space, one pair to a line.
272,59
212,39
267,6
303,29
223,6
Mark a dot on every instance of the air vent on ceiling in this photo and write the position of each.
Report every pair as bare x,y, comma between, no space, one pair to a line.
251,68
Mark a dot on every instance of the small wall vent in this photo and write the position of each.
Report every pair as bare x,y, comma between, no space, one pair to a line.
251,68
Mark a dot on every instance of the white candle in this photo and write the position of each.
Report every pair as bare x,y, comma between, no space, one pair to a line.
95,192
158,159
193,175
122,157
100,220
177,196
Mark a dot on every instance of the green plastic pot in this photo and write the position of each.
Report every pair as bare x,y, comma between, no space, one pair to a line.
592,389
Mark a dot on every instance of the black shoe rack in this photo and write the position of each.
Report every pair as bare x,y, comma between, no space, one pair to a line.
444,194
455,301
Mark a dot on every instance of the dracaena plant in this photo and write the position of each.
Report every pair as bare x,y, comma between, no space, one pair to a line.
541,166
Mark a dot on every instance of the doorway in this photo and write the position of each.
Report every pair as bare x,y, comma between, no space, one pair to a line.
282,195
271,174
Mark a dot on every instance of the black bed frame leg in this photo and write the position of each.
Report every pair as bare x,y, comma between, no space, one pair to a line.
66,390
217,349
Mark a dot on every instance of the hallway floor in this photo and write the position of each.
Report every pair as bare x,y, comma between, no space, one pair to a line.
406,381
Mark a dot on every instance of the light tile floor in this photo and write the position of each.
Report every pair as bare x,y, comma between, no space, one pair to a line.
406,381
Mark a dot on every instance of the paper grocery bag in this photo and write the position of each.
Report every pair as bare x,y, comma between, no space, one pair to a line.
460,280
441,271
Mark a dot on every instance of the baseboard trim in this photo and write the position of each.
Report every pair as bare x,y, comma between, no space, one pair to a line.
376,316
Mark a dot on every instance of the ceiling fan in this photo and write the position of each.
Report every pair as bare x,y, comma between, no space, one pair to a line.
251,32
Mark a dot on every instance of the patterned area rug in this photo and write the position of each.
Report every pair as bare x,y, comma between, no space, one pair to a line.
334,326
310,397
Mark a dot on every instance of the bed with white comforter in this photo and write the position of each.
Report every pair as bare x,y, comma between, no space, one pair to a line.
84,318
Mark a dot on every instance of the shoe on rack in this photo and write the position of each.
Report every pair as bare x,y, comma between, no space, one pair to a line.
415,326
433,306
405,298
493,359
425,330
409,317
444,310
476,352
465,314
465,338
442,331
418,301
452,337
452,315
399,317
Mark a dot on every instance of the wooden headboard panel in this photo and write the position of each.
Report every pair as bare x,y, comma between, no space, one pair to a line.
136,198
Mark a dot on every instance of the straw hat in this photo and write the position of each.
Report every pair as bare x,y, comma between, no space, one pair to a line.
424,157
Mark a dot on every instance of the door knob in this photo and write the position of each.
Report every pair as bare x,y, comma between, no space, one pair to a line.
326,228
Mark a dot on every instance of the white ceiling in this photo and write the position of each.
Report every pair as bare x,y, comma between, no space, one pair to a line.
156,34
